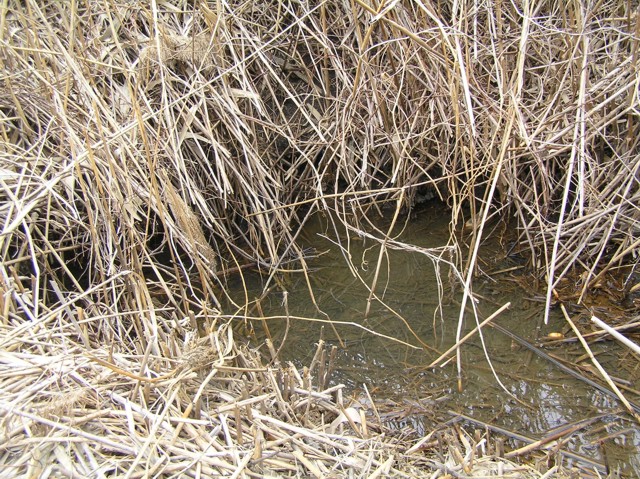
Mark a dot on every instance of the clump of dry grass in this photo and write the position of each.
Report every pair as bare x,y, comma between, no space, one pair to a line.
148,150
203,406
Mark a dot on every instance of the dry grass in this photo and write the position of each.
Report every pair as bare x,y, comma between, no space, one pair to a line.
149,150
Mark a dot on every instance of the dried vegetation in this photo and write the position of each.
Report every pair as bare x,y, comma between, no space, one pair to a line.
149,150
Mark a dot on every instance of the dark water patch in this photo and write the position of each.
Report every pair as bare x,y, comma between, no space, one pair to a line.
419,321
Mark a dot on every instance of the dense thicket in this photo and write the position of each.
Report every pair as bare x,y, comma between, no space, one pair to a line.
148,147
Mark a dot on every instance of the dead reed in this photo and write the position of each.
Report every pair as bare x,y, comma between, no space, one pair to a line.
149,149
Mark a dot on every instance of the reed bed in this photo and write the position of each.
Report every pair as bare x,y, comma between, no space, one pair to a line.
150,151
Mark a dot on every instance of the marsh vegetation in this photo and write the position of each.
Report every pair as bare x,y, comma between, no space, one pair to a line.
152,152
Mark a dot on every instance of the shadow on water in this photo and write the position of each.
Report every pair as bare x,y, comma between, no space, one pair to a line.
541,398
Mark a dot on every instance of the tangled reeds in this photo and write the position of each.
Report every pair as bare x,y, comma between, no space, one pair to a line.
207,407
148,150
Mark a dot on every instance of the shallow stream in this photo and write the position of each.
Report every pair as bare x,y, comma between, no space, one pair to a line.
392,364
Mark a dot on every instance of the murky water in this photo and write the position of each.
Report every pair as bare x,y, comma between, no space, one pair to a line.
402,337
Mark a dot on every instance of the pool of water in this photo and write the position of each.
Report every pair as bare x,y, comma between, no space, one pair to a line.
385,346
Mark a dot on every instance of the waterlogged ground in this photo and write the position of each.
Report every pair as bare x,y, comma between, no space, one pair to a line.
410,331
